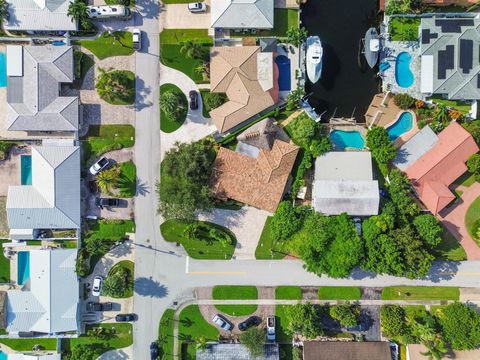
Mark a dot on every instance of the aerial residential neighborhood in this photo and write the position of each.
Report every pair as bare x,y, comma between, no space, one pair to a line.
240,179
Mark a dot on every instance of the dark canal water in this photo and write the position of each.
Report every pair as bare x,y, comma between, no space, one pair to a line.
347,84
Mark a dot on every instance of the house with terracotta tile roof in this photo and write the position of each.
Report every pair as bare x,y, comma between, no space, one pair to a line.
258,172
249,78
438,167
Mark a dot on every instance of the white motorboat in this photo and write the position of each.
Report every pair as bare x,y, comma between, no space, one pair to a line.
372,47
314,58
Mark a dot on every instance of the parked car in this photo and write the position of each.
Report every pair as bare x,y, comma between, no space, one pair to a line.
222,322
137,39
193,97
358,225
271,328
251,321
100,165
197,7
154,350
97,285
107,202
95,306
125,317
109,12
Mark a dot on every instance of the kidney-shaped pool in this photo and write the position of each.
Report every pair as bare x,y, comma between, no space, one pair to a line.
403,73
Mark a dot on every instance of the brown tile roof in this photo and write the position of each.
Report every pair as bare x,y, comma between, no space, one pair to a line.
260,181
263,134
330,350
233,70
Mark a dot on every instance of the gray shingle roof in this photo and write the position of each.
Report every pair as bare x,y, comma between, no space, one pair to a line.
236,352
34,103
415,148
239,14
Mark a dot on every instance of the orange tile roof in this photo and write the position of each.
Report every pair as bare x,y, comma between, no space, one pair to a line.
441,165
259,182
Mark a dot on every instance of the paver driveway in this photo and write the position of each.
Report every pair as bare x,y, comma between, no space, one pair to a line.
177,16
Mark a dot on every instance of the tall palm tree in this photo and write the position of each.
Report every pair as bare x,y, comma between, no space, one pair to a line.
107,179
192,49
169,103
77,10
441,113
201,343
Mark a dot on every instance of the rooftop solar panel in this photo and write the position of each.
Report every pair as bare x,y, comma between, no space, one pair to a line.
427,36
442,67
453,25
466,55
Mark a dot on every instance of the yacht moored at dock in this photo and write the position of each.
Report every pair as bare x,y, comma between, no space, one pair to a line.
372,46
314,58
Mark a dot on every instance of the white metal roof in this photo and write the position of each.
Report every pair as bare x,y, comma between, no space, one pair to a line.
239,14
14,60
336,165
427,74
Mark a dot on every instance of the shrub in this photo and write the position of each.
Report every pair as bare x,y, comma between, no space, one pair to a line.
473,164
346,314
82,266
253,339
213,100
419,104
286,221
429,229
404,101
379,143
393,321
304,319
294,97
5,147
461,326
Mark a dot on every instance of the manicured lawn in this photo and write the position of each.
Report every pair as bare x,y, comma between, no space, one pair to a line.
165,335
237,310
288,293
171,56
449,248
420,293
192,325
127,81
4,230
68,244
232,292
283,19
404,29
176,36
207,247
112,230
338,293
170,123
129,267
4,266
28,344
104,138
467,179
461,106
128,179
300,121
265,249
471,217
281,335
118,44
33,243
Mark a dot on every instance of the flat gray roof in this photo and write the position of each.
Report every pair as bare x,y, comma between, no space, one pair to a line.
415,148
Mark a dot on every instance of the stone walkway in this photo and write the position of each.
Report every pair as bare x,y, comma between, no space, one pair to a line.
453,218
195,126
247,225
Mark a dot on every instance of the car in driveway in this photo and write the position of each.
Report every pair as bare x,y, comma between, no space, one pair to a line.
137,39
97,285
271,328
197,7
107,202
125,317
358,225
154,350
222,322
251,321
95,306
193,100
100,165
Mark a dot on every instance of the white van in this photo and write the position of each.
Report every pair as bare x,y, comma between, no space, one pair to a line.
108,11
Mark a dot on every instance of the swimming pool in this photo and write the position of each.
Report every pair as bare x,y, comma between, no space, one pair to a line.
23,267
3,71
283,64
403,125
347,139
3,356
403,74
26,169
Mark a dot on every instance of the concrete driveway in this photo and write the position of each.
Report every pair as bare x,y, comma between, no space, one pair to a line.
177,16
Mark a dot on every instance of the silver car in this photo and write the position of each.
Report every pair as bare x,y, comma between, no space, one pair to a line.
197,7
222,323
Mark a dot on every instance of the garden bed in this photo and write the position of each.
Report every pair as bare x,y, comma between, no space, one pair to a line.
128,267
127,183
404,29
116,87
170,123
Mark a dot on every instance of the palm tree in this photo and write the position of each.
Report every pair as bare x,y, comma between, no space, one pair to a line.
77,10
3,11
441,113
169,103
192,49
107,179
201,343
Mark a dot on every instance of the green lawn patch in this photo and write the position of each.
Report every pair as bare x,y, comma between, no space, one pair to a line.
420,293
467,179
266,249
463,107
104,138
206,247
233,292
192,325
404,29
176,36
68,244
281,325
128,179
4,230
338,293
229,204
4,266
237,310
129,267
120,43
283,19
449,248
170,123
33,243
471,219
171,56
301,121
28,344
165,335
288,293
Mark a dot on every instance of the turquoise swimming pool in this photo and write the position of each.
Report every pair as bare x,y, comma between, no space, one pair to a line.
347,139
3,72
403,125
26,169
3,356
23,267
403,74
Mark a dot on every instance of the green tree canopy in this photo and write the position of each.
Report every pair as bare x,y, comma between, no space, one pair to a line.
295,35
304,319
286,221
473,164
400,194
393,321
379,143
429,229
404,101
116,283
461,326
346,314
254,339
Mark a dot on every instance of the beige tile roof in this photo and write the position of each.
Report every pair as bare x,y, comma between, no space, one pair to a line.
259,182
233,70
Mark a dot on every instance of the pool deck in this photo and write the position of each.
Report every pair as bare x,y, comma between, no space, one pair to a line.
359,128
10,169
294,66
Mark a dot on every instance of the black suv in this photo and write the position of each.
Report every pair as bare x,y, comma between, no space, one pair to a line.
107,202
125,317
95,306
251,321
154,350
193,96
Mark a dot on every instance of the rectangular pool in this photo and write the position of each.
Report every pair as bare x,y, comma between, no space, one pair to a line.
3,71
26,169
23,267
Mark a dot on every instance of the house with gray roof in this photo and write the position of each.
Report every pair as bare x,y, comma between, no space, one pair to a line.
450,57
236,352
39,16
34,78
344,184
52,201
415,148
242,14
48,301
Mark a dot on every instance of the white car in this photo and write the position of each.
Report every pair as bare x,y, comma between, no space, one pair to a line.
197,7
222,323
137,39
97,285
99,166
